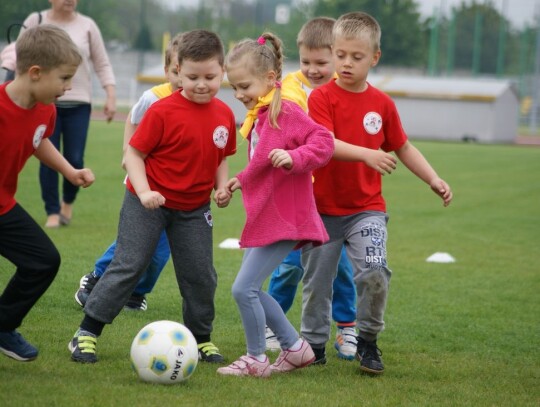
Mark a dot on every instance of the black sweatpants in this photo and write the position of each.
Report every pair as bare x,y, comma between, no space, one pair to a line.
25,244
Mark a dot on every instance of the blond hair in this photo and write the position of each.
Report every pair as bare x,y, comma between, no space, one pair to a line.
316,33
355,25
47,46
260,57
172,48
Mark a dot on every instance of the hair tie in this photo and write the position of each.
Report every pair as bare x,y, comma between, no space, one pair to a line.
261,40
278,84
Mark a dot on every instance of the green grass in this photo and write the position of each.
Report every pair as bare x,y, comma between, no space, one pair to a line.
465,333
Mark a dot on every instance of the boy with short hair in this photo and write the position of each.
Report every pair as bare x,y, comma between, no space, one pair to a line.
137,300
174,160
314,42
358,217
47,59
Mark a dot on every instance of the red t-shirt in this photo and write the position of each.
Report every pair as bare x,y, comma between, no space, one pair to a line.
368,119
185,142
21,132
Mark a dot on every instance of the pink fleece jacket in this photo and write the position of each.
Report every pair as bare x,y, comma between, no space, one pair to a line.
279,203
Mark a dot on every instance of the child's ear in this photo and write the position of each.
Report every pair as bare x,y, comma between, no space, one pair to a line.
376,58
271,77
34,72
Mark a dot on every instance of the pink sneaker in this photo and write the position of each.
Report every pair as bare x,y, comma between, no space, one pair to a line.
290,360
247,366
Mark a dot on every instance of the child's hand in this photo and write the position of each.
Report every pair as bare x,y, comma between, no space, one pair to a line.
222,197
280,158
233,184
441,188
83,178
380,161
151,199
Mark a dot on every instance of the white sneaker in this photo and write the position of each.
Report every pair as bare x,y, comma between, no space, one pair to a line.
272,343
346,342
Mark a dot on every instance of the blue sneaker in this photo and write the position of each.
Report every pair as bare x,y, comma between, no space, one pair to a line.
15,346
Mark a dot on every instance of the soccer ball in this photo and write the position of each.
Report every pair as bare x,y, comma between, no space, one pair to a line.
164,352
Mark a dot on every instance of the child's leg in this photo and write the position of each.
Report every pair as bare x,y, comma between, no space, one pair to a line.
344,298
191,245
285,279
29,248
138,234
103,262
257,307
367,236
159,260
320,267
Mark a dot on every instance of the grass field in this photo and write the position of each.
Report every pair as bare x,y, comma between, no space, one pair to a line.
459,334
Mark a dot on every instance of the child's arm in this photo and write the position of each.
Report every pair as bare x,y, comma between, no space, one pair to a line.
377,159
419,166
222,196
129,130
135,167
51,157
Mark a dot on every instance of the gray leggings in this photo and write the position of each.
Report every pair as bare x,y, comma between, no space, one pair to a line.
364,235
257,307
190,239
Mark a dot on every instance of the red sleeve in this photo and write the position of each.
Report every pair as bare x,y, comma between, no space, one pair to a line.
148,133
320,110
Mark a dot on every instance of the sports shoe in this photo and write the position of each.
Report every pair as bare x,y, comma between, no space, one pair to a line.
346,343
320,356
369,356
136,303
247,366
272,343
86,285
83,347
208,352
13,344
290,360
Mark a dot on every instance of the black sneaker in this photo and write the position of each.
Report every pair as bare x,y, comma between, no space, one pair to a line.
13,344
369,356
136,303
83,347
320,356
208,352
86,285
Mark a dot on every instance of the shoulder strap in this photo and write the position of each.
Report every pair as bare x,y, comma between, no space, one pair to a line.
20,25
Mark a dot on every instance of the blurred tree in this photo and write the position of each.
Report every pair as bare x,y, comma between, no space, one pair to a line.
402,40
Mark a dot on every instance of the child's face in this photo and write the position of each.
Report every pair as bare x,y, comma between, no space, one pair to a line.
171,72
51,85
353,58
247,87
200,80
317,65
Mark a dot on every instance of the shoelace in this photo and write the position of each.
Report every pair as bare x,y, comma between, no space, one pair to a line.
87,344
208,348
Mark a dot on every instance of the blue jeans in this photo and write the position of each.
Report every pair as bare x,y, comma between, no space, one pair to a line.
285,279
150,276
69,137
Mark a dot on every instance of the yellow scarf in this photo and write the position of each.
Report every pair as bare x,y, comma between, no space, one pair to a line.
300,76
291,89
163,90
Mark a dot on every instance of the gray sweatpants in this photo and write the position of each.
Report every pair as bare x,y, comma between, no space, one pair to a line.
190,240
257,307
364,235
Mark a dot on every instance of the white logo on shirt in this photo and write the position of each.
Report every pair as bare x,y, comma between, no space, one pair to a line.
220,136
38,135
372,122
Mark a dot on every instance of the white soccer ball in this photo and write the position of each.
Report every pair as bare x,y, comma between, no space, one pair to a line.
164,352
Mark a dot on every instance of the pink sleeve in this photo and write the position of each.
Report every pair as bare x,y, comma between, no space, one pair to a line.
99,57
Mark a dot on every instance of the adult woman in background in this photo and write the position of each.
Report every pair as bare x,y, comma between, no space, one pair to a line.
74,107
